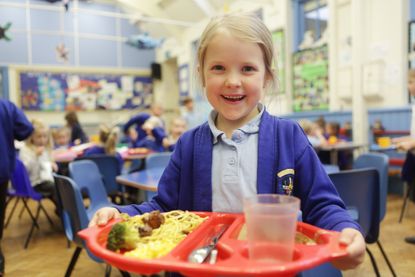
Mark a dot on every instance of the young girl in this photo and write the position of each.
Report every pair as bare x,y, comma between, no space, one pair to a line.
36,155
242,150
108,141
62,138
78,135
177,128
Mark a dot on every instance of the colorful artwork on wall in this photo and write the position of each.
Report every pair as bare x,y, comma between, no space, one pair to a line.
310,79
45,91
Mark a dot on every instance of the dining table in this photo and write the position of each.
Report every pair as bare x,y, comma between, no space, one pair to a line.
146,179
335,148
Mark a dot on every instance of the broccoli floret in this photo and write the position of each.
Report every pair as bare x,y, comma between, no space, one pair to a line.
123,235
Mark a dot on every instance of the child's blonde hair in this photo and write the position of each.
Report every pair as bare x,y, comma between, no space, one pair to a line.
244,26
108,137
39,126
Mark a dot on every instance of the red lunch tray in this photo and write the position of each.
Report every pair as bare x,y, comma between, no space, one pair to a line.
232,257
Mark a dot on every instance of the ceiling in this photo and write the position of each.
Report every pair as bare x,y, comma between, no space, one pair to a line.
164,18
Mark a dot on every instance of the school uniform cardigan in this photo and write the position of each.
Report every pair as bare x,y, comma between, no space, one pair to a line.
287,164
13,125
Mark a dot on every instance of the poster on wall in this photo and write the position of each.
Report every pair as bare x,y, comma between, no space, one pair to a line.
279,50
310,79
45,91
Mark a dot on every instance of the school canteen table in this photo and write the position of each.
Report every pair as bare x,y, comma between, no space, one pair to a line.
335,148
146,179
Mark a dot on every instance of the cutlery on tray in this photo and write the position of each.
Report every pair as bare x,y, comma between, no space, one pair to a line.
200,254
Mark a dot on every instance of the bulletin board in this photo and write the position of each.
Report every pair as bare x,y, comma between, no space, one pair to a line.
279,50
310,79
60,91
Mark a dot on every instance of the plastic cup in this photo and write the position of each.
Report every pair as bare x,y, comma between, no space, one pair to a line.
271,221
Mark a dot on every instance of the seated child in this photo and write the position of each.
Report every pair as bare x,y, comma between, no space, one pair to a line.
107,144
62,138
155,135
177,128
36,155
313,132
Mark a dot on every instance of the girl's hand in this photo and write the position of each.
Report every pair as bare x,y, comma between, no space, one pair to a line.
55,167
39,150
356,248
103,215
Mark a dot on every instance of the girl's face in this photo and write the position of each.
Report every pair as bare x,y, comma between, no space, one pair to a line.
40,137
178,127
62,138
234,78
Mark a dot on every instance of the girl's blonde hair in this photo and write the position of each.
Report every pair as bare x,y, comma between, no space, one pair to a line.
108,137
39,126
244,26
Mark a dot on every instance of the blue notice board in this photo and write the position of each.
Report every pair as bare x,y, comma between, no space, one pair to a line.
46,91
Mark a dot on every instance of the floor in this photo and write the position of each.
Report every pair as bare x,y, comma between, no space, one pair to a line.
48,254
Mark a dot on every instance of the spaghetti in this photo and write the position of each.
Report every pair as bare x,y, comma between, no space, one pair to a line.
177,224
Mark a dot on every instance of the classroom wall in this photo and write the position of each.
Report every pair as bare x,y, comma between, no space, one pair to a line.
94,34
375,66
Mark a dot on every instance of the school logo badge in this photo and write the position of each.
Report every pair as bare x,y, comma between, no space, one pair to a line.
286,178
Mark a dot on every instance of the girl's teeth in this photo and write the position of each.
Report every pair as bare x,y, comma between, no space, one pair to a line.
233,97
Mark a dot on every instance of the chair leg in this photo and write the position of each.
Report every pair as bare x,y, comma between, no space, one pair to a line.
73,261
11,212
34,224
108,270
405,201
46,214
372,259
386,258
124,273
34,220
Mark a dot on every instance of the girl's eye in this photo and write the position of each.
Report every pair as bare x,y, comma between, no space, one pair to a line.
217,67
248,69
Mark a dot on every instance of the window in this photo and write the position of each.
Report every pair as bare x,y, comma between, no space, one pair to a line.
310,16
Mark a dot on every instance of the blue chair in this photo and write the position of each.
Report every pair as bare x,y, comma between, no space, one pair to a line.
86,175
23,190
331,168
108,166
75,218
156,160
380,162
360,191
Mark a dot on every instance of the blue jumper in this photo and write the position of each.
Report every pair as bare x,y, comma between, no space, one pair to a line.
287,164
13,125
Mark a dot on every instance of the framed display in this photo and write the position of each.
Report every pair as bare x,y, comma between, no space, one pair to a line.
279,50
310,79
59,91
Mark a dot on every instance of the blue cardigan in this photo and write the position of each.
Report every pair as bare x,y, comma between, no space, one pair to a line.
287,164
13,125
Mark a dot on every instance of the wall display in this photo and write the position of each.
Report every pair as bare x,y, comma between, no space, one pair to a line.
310,79
46,91
279,50
184,80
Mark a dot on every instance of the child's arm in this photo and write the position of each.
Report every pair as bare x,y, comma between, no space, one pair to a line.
356,248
